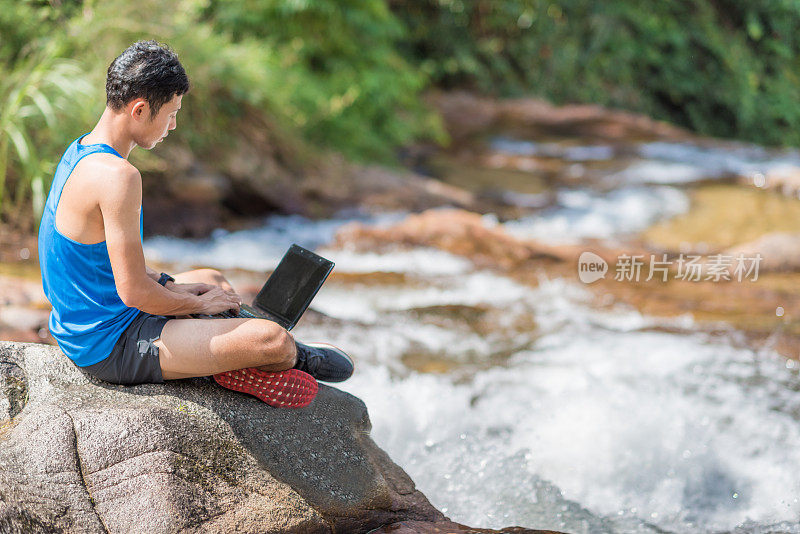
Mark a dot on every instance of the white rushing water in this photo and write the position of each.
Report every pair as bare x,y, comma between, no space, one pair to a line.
582,213
662,162
598,425
257,249
554,415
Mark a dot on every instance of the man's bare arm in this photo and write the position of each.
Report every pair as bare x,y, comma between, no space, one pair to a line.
155,275
152,273
120,204
195,288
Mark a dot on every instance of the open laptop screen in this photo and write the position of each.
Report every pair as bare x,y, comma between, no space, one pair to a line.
294,283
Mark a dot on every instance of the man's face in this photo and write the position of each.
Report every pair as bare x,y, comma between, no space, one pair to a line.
149,132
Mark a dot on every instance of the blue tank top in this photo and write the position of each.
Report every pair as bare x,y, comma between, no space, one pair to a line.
87,316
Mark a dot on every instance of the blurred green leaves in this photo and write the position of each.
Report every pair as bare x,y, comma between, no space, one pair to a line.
346,75
39,92
724,68
342,80
321,74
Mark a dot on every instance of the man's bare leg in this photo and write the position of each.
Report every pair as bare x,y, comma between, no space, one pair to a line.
202,347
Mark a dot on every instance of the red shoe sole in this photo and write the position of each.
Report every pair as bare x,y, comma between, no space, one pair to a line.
291,388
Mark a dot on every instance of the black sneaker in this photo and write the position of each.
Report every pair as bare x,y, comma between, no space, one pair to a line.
324,362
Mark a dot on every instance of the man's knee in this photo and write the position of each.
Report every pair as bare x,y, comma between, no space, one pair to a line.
210,276
202,276
278,344
213,277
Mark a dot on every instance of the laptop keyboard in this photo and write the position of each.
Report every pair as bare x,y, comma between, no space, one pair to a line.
245,312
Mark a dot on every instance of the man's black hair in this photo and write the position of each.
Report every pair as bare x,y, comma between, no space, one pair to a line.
148,70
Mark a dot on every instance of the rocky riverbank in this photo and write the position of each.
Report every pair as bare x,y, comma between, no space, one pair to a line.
82,455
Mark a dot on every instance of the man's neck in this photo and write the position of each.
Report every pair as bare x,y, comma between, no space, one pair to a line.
110,129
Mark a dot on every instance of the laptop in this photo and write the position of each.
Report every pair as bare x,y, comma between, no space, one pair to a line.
288,291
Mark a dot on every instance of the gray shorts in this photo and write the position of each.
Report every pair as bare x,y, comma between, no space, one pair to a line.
134,359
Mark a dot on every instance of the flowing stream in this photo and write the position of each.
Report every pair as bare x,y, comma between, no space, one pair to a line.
517,405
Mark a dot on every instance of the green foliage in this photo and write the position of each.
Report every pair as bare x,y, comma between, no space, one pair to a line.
226,78
342,80
275,63
724,68
40,92
347,75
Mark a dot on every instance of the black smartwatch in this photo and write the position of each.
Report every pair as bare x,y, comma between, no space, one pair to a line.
164,278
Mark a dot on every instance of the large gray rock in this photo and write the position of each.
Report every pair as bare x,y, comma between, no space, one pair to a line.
81,455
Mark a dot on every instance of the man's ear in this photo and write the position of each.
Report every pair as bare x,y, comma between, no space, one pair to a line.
139,109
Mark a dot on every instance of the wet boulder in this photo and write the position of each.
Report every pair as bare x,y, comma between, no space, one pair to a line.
196,193
456,231
468,115
448,527
24,310
81,455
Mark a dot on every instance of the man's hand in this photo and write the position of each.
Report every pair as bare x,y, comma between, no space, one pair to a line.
217,300
197,289
191,289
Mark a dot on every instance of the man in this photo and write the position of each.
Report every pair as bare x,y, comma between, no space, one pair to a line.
112,315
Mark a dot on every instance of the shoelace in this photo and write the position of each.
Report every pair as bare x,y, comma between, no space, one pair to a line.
310,358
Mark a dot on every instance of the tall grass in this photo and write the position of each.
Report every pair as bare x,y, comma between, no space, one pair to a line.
36,92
